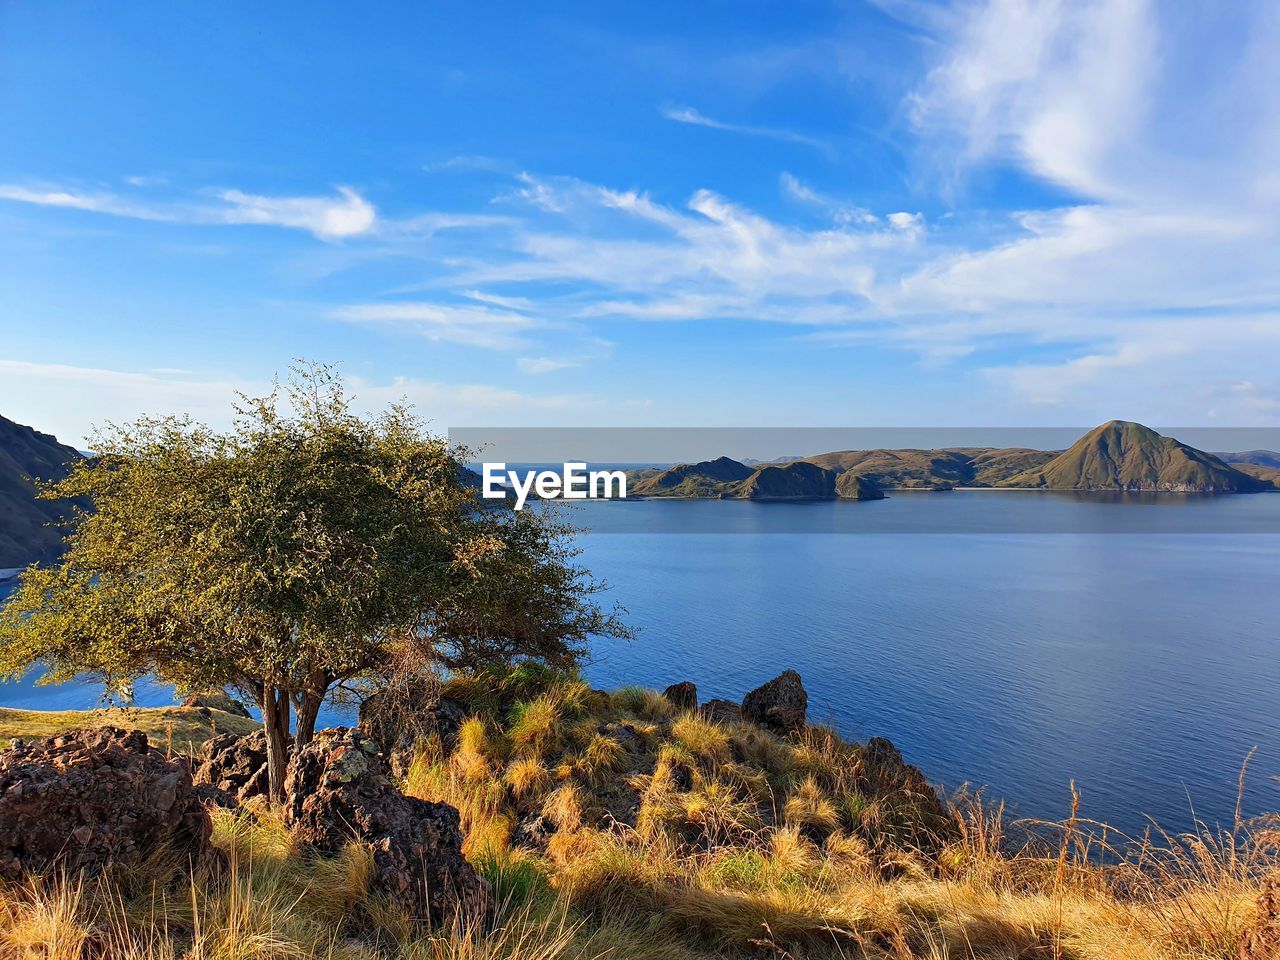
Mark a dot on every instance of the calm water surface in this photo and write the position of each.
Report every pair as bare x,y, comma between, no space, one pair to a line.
974,630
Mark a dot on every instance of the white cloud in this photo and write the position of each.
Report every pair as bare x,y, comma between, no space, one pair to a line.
596,349
1055,84
450,323
693,117
536,365
329,218
713,258
841,213
76,200
51,398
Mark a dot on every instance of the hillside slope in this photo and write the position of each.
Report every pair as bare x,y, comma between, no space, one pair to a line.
25,534
705,479
1122,455
800,480
934,469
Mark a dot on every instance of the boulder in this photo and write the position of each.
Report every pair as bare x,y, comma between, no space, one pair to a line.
683,695
88,799
216,700
235,767
884,773
721,711
399,717
779,705
339,788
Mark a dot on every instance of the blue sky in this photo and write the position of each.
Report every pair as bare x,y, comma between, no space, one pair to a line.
713,213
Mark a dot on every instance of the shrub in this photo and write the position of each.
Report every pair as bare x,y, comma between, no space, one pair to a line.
700,737
811,810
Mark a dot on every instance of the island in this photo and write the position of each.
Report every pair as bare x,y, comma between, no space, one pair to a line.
1118,456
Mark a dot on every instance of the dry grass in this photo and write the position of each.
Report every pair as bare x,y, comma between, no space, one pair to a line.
181,729
738,844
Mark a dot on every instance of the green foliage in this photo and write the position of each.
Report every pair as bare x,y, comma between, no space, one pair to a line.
515,882
305,547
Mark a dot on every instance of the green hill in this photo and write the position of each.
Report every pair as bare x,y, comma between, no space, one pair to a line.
25,534
1118,455
1121,455
852,486
707,479
902,469
1268,475
993,467
793,481
1260,458
934,469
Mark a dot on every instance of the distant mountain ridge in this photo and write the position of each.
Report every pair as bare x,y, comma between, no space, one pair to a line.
25,533
1260,458
1117,456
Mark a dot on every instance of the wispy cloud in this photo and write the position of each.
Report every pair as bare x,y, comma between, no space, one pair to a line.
329,218
596,349
842,213
106,203
50,395
694,117
474,326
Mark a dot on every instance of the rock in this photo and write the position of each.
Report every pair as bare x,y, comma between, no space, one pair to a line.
683,695
217,700
235,766
533,832
1262,940
721,711
399,717
779,705
885,773
339,788
89,799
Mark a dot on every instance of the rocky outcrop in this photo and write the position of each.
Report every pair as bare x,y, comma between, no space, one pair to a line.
235,768
721,711
89,799
682,695
340,789
883,772
399,716
778,705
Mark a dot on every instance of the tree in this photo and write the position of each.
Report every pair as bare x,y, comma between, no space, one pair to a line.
305,548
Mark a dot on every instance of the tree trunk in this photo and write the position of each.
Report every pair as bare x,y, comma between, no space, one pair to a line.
275,718
308,710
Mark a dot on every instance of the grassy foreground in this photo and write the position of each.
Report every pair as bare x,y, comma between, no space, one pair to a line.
673,837
180,729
